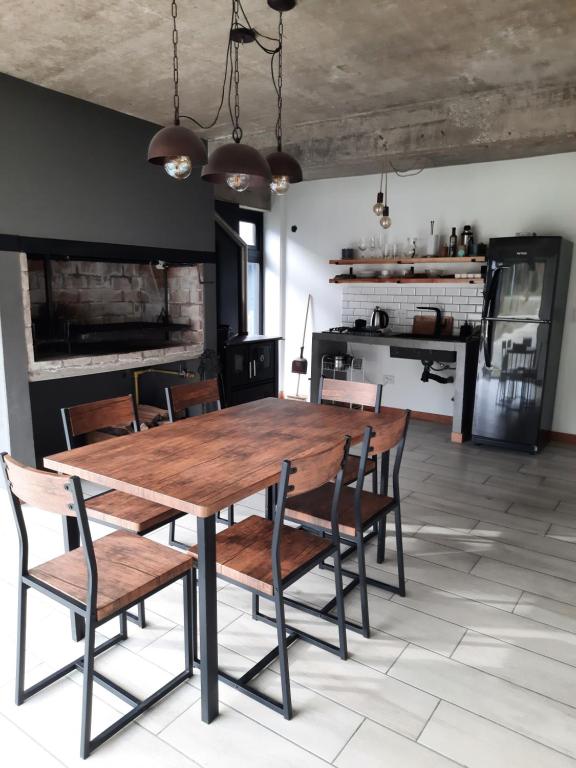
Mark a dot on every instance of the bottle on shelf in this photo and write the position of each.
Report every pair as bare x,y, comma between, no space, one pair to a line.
468,240
453,243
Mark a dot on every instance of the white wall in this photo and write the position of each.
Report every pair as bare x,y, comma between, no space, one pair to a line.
497,199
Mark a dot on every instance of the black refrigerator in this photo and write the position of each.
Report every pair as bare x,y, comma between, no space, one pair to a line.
522,323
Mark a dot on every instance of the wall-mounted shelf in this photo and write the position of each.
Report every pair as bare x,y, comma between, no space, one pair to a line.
418,260
415,280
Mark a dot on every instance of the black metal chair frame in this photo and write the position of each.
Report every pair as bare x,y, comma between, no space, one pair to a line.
85,663
279,599
377,407
172,418
365,531
72,442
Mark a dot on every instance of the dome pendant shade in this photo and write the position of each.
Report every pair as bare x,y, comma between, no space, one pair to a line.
283,164
237,160
176,141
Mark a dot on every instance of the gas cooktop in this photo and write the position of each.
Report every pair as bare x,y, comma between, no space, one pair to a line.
367,331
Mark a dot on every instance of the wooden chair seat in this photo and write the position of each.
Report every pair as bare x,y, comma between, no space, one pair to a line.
353,466
129,567
243,552
128,512
314,508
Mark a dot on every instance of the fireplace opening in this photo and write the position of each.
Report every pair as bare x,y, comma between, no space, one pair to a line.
86,307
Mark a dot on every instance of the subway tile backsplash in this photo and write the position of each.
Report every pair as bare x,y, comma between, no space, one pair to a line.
400,302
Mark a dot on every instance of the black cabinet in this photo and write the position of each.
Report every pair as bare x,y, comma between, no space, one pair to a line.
250,369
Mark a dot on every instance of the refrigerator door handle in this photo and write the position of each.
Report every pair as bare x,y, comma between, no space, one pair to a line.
490,292
487,342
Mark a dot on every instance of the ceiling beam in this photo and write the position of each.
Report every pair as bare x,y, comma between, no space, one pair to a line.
491,125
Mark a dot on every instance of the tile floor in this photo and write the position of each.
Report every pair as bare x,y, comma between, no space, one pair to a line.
476,666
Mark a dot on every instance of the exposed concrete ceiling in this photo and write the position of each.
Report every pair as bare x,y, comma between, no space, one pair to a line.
425,82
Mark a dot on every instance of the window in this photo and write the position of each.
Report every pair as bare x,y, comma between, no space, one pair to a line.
247,231
250,230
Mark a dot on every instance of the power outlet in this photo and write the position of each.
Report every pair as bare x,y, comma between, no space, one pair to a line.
388,379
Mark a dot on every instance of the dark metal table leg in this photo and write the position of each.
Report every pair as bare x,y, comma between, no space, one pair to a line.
208,617
72,541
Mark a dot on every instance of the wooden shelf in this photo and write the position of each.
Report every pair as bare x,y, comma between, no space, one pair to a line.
418,260
417,279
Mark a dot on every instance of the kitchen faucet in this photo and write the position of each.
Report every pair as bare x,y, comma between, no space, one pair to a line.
438,323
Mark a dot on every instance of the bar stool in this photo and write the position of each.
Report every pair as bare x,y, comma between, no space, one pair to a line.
98,581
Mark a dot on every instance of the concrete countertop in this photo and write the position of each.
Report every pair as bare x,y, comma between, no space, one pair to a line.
454,343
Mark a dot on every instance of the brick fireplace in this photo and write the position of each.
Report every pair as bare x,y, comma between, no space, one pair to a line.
85,316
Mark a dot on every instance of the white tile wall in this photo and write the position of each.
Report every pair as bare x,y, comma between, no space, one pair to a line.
400,302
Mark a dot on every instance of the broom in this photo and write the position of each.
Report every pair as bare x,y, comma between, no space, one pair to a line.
300,364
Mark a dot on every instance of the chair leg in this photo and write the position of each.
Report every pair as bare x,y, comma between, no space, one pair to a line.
255,606
231,514
21,642
380,551
189,623
283,657
340,613
362,584
194,608
399,552
375,490
88,684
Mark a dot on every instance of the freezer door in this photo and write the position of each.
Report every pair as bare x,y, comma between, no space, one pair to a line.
521,283
509,382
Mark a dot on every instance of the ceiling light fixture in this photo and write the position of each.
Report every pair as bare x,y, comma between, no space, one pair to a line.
175,147
285,169
239,165
385,221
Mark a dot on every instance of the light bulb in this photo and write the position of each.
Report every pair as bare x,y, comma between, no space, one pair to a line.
378,208
386,222
280,185
179,167
239,182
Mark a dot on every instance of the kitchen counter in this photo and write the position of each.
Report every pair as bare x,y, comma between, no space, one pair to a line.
466,353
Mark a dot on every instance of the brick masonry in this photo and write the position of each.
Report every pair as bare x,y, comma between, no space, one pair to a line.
400,302
99,292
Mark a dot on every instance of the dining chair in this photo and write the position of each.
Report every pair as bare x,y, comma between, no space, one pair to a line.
98,581
360,511
356,394
266,557
180,398
104,420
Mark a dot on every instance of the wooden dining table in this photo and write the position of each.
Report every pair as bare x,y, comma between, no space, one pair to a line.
203,464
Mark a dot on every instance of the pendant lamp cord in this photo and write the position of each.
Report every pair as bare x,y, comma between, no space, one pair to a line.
236,130
175,62
278,84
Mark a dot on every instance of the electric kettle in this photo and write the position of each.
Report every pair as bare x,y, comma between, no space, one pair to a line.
379,318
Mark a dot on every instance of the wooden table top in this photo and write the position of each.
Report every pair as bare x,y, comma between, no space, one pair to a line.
203,464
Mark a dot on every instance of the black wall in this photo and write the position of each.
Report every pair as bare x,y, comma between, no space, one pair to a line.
72,170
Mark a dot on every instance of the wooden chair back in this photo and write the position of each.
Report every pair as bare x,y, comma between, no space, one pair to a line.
81,419
52,493
305,473
386,437
359,393
315,469
44,490
379,439
182,396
